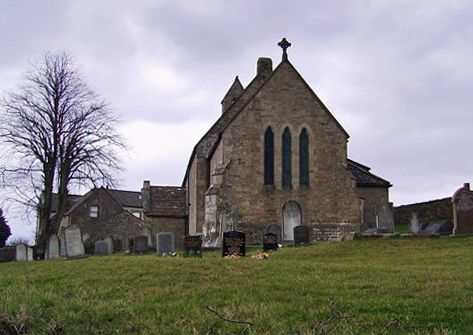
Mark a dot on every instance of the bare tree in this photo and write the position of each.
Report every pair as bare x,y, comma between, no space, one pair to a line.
57,132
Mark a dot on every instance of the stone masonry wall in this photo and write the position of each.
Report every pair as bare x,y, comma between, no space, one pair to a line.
285,101
372,196
174,225
429,211
333,231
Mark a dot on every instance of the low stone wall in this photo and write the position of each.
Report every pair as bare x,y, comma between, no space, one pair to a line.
332,231
429,211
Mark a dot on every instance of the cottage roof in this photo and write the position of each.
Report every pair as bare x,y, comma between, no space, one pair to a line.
72,199
364,177
168,201
127,198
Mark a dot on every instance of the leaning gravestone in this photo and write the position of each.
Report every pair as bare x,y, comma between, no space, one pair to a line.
270,242
301,235
21,253
192,246
164,243
117,246
233,243
384,214
463,210
141,244
53,247
73,242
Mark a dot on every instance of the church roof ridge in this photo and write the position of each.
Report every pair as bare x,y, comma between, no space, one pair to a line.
236,85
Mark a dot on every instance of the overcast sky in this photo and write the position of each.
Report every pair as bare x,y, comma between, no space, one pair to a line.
398,75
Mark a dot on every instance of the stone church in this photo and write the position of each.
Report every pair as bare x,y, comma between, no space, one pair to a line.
275,159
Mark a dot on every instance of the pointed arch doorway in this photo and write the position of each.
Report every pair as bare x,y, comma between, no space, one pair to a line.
292,217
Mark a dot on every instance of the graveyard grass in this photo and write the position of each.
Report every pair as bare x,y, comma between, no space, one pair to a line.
370,286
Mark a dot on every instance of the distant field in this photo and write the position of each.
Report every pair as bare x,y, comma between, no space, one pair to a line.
401,286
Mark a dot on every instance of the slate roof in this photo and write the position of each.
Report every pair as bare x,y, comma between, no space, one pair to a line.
364,177
72,199
168,201
127,198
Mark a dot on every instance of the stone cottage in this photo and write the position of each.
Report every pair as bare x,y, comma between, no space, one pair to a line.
275,159
106,213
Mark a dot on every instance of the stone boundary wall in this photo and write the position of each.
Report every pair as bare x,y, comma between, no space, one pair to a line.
332,231
428,211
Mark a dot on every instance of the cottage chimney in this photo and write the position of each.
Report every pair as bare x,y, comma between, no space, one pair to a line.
146,196
234,92
264,67
467,186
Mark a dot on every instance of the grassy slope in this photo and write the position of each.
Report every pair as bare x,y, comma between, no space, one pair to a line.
425,284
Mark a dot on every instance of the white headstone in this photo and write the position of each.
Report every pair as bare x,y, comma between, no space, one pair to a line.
414,225
62,245
21,254
53,247
73,239
29,254
385,218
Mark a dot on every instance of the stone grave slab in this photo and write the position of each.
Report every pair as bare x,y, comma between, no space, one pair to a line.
301,235
270,242
141,244
117,246
53,247
21,253
462,201
385,218
73,242
29,254
62,245
192,246
102,248
233,243
164,243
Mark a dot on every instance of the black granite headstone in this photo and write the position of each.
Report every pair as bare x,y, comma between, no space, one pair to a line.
301,235
270,242
192,246
165,243
141,244
233,243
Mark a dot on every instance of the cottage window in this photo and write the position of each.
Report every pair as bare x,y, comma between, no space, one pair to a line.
94,211
304,158
268,157
286,158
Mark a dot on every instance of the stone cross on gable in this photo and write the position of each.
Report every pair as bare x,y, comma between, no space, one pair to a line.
284,44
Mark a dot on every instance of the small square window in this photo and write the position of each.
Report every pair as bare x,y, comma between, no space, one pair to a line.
94,212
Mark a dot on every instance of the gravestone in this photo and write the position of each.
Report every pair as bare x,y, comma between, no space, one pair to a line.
414,225
73,242
102,248
141,244
270,242
53,247
62,245
463,210
21,252
29,254
233,243
274,229
192,246
117,246
7,254
384,217
164,243
301,235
